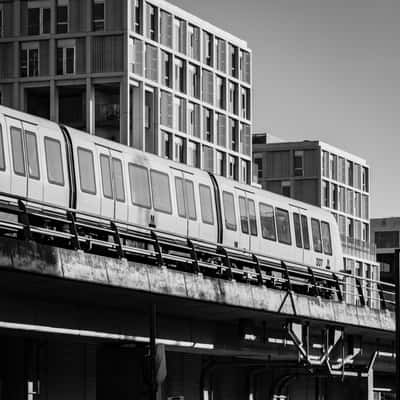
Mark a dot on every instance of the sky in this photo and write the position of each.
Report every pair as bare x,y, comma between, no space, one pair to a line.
327,70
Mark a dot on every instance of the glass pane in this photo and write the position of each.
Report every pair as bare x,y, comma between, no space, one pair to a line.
106,176
190,200
2,160
140,186
161,192
267,222
244,219
70,61
86,171
326,238
206,205
46,20
230,215
316,234
297,230
283,226
180,200
33,21
17,151
55,173
118,180
252,217
306,236
32,154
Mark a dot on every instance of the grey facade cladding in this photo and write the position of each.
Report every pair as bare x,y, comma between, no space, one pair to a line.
146,74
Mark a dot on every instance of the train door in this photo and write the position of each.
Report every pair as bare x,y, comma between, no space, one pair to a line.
300,234
113,193
185,206
191,205
248,221
207,217
34,170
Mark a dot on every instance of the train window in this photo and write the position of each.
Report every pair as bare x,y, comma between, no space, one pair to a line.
86,171
304,229
316,234
55,172
161,191
267,219
283,226
297,230
140,186
230,215
2,158
32,155
326,238
252,217
17,151
244,218
207,214
118,180
191,205
180,197
106,176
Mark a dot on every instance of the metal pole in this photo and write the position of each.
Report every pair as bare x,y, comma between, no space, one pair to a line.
397,310
153,333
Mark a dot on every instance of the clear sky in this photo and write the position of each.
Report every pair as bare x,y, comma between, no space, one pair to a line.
328,70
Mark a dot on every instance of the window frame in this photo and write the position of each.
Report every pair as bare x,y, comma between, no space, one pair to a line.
227,225
206,187
316,222
132,186
305,232
252,232
155,171
79,148
242,202
94,21
32,134
114,181
12,129
45,139
329,250
274,238
102,157
62,23
298,235
287,214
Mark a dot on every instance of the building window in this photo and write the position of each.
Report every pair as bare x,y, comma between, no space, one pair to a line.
179,114
194,119
334,196
245,103
285,188
39,19
221,129
208,125
166,69
194,42
325,164
151,20
233,59
349,173
233,134
244,66
233,100
179,75
136,56
220,88
350,202
221,163
98,15
29,60
179,35
220,54
179,149
166,145
62,13
341,170
208,161
387,240
244,171
66,57
232,170
151,62
258,162
193,154
166,109
325,194
365,179
208,89
194,81
245,138
298,163
207,49
137,19
166,28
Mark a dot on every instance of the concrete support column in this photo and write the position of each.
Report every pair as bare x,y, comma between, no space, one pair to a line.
371,384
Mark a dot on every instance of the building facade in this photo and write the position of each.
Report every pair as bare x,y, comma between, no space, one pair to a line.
386,234
325,176
143,73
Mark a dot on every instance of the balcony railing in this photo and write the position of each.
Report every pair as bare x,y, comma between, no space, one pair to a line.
358,248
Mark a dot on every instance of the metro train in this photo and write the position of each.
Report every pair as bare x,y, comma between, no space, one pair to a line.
46,162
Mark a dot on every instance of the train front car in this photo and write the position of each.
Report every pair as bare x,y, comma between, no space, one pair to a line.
274,226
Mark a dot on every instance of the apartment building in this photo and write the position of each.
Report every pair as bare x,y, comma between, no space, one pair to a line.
143,73
328,177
